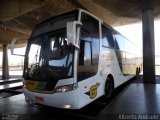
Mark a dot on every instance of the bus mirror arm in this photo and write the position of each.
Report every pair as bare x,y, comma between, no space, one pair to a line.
13,45
73,29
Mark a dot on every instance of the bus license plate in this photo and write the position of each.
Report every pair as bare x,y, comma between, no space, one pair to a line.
39,99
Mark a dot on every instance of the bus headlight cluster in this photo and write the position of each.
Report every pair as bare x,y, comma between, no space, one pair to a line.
66,88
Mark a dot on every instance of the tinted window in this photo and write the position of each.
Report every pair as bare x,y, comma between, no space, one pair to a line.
107,38
85,53
55,23
128,46
89,48
119,41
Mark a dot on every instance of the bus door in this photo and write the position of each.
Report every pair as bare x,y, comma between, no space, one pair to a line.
88,80
88,57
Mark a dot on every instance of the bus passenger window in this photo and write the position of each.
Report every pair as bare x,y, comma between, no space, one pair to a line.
119,42
107,39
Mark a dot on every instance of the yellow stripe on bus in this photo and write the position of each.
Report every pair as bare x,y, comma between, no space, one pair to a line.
32,85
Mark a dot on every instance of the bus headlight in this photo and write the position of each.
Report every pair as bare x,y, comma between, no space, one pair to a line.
66,88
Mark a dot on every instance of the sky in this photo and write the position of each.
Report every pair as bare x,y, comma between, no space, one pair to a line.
134,33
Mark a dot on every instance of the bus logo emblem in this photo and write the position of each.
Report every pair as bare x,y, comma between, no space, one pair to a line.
93,91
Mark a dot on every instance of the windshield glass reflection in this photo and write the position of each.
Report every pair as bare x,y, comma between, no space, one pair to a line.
49,57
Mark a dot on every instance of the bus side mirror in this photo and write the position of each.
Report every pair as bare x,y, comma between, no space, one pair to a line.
73,29
17,42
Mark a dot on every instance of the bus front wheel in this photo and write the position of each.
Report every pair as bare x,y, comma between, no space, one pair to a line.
109,88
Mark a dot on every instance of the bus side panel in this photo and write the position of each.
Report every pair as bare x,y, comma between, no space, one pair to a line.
120,78
89,90
110,65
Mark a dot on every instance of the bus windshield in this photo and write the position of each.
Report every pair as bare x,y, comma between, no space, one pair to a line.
49,57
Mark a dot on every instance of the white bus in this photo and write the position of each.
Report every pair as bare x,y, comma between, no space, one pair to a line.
74,58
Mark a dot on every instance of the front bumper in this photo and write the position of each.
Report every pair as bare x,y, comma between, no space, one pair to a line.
67,100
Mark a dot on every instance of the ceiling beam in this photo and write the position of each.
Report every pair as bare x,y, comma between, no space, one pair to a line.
7,35
10,9
16,29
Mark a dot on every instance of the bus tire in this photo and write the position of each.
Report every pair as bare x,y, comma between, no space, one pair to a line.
109,88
